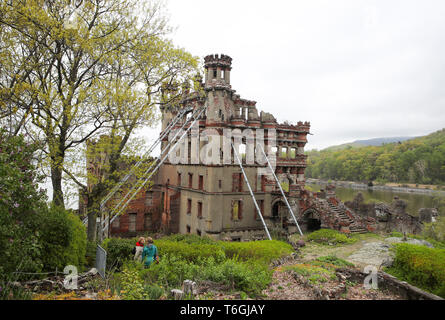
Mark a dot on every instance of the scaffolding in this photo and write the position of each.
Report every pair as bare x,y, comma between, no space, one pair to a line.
251,192
118,209
281,189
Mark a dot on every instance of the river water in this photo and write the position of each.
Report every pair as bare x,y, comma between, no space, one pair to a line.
414,201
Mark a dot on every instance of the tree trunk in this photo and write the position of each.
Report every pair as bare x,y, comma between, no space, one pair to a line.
92,225
56,179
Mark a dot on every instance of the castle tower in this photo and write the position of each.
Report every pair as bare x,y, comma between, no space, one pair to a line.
217,70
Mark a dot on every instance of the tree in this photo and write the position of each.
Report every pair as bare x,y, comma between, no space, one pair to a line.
84,69
83,63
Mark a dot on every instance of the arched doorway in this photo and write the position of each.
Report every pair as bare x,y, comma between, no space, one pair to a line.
311,220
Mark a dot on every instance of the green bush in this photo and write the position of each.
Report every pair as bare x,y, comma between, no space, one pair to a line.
118,251
171,271
132,282
332,260
329,236
153,292
189,251
265,250
20,202
63,239
421,266
190,239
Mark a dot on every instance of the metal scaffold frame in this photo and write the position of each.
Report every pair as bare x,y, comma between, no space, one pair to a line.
251,192
166,131
281,189
149,173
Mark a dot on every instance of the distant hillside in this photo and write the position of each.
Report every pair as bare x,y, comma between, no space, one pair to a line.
417,160
368,142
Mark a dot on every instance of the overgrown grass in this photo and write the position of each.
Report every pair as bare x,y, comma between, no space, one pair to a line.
329,237
265,250
313,273
319,270
421,266
435,243
242,266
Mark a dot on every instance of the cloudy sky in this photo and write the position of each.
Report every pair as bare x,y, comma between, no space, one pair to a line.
354,69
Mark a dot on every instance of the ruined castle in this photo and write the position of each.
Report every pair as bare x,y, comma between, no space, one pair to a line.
214,198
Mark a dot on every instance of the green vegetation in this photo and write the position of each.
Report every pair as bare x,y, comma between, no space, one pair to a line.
329,236
33,237
319,270
435,231
242,266
421,266
333,261
420,160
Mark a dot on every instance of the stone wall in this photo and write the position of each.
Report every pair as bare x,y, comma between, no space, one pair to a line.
387,281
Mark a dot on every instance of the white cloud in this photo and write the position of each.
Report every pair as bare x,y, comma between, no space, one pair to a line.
354,69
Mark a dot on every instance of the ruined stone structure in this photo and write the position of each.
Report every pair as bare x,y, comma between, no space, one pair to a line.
392,217
212,198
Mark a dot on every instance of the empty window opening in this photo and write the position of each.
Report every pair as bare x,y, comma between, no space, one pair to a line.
189,206
237,210
188,229
116,223
147,220
199,209
190,180
132,222
283,152
201,183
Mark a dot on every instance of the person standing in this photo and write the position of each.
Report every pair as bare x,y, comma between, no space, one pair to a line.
150,253
139,248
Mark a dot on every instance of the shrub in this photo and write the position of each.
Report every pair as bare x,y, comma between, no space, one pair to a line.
132,282
329,236
333,261
190,251
190,239
264,250
421,266
171,271
153,292
63,239
435,230
20,201
315,274
118,251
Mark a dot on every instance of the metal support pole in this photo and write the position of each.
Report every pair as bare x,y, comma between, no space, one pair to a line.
153,163
171,124
157,167
251,192
281,189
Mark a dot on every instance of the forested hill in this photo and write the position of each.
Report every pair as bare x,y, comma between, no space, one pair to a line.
368,142
420,160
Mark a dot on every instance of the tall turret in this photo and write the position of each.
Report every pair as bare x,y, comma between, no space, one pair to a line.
217,69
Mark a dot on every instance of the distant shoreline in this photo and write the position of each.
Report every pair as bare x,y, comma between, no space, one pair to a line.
421,189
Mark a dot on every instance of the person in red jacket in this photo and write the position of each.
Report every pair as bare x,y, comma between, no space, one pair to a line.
139,248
